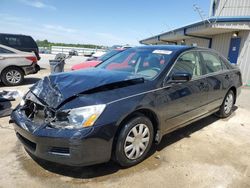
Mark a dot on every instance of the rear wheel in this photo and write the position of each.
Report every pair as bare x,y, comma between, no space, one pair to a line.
12,76
134,141
226,108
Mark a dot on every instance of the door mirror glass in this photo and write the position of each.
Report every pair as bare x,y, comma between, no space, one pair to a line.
181,77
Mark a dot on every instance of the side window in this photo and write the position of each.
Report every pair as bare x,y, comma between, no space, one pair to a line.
212,62
188,62
4,51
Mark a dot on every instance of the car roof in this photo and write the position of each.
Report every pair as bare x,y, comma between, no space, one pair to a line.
10,34
167,47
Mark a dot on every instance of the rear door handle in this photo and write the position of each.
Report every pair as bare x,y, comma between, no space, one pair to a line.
1,58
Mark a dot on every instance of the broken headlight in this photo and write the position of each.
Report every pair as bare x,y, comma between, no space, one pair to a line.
78,117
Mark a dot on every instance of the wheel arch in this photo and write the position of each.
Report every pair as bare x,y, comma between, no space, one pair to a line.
12,66
2,79
146,112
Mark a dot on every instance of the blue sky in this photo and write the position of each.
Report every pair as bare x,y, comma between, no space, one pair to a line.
103,22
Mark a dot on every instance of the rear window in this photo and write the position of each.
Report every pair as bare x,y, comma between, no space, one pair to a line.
28,41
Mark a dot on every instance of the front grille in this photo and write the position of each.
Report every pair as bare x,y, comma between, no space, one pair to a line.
26,142
59,151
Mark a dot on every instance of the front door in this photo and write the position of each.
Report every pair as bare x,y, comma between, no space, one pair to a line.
234,50
184,101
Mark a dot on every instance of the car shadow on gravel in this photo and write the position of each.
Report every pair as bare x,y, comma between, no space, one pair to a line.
111,167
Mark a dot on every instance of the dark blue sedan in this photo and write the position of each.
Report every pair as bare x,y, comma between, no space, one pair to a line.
125,104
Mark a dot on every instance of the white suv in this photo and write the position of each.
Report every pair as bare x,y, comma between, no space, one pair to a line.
14,64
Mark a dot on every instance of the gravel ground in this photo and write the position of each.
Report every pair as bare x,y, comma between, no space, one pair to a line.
209,153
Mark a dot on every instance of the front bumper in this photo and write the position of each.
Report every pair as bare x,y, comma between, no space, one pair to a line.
32,69
69,147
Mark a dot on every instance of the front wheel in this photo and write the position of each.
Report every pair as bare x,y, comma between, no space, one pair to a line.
226,108
134,141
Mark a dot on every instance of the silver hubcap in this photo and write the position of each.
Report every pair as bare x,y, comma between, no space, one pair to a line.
136,141
13,76
228,103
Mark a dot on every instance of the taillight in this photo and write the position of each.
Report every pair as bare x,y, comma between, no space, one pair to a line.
32,58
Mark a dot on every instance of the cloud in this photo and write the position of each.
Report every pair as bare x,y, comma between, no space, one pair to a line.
111,38
59,33
13,19
38,4
59,28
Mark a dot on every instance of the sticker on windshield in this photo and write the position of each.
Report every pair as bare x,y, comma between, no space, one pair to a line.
166,52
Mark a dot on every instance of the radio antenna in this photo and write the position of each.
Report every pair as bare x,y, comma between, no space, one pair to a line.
201,13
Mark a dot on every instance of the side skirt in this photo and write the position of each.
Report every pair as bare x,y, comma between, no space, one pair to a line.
159,134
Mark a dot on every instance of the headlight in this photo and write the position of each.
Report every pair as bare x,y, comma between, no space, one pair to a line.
81,117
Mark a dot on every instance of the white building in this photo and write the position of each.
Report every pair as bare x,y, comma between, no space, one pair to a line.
227,30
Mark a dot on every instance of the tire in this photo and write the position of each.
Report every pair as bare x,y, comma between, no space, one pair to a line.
12,76
226,108
137,146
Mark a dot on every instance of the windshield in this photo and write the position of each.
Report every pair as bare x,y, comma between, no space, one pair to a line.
143,62
108,55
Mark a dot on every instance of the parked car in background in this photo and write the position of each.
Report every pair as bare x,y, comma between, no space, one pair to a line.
73,53
20,42
88,53
43,50
15,64
84,117
94,62
96,55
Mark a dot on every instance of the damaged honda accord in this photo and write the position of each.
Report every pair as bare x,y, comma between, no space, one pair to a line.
118,109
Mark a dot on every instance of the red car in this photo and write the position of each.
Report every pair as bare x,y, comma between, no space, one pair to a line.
93,63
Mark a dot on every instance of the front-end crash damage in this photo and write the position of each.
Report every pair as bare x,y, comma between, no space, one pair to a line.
59,116
45,102
47,92
56,90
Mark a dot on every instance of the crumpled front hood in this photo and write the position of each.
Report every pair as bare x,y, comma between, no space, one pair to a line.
55,89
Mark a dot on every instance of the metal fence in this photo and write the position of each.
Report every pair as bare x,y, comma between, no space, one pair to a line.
80,51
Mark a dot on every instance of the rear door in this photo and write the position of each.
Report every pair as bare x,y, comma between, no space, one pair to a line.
185,101
5,59
218,79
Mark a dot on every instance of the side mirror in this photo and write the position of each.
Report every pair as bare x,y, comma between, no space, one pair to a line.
181,77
